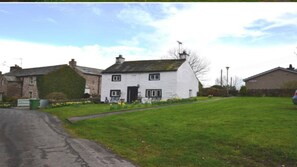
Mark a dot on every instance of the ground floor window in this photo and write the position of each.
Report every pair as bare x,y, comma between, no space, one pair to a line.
153,93
30,94
115,95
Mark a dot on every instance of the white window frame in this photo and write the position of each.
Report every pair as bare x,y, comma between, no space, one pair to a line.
153,93
115,93
154,77
116,78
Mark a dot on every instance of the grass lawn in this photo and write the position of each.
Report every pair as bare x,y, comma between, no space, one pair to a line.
78,110
241,131
82,110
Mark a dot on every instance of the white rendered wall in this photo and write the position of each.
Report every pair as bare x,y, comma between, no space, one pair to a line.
186,80
167,82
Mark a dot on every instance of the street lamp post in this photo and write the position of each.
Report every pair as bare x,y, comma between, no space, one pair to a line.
227,81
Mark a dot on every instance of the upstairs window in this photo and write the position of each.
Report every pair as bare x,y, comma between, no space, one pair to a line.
153,93
31,80
116,78
154,77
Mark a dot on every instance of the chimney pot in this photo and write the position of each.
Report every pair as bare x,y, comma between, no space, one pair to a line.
120,59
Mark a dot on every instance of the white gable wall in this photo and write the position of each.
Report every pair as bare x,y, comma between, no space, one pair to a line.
167,82
186,81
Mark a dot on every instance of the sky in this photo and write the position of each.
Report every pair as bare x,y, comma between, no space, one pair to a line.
250,38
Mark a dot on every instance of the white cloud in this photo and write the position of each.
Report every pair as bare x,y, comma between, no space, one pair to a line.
204,23
245,61
38,55
200,25
197,25
135,16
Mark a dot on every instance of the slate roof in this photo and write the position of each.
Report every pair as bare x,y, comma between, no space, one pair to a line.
269,71
88,70
145,66
34,71
10,78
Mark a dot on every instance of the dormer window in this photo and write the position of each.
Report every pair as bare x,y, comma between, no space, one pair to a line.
154,77
116,78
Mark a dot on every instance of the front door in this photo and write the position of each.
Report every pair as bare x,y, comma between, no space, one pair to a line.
132,94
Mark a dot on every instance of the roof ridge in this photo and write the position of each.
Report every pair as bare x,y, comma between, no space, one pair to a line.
156,60
160,65
90,67
269,71
44,67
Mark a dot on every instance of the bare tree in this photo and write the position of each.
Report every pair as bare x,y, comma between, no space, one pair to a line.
199,65
236,82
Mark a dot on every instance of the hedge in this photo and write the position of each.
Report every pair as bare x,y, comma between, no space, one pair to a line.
271,92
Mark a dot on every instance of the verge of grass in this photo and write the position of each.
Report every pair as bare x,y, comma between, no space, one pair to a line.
229,132
77,110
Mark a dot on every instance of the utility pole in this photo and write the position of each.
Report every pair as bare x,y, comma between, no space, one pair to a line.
227,81
221,77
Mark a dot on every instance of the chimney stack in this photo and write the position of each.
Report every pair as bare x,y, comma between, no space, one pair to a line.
15,68
291,67
72,63
120,59
183,55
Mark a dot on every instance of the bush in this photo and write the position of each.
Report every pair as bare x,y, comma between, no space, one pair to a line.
271,92
86,95
5,105
56,96
243,91
69,103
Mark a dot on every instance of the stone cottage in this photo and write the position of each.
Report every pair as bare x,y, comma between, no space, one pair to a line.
23,82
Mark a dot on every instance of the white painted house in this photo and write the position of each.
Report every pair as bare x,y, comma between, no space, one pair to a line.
148,79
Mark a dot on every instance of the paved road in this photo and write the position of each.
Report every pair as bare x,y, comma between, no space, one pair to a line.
35,139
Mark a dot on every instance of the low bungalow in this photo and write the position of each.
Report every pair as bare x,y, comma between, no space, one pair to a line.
276,78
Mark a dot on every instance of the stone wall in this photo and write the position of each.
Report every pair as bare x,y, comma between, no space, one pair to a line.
30,85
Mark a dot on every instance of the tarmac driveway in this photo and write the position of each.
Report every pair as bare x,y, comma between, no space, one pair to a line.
36,139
